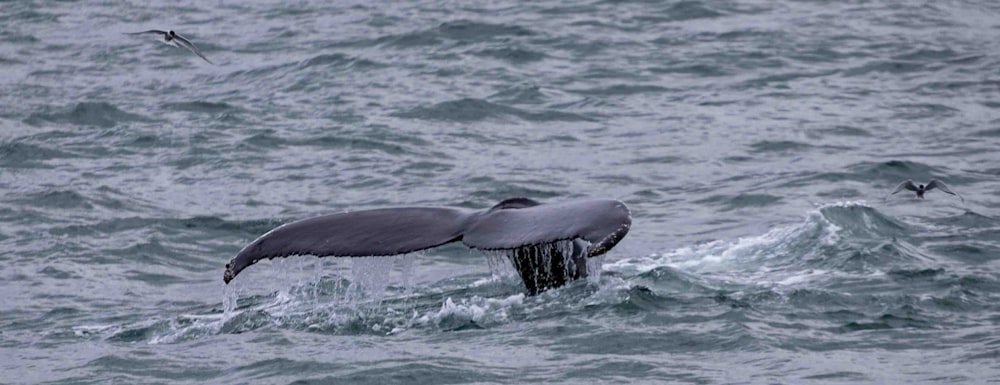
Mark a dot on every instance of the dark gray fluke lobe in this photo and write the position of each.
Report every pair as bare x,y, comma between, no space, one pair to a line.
921,189
174,39
547,243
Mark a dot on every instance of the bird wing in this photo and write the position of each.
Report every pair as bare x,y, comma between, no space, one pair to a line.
190,46
907,184
934,183
152,31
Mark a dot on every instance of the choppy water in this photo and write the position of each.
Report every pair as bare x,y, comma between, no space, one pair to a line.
753,141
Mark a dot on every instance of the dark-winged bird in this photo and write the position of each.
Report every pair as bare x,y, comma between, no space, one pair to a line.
174,39
921,189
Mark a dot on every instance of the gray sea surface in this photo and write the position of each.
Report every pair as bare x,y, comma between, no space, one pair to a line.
754,142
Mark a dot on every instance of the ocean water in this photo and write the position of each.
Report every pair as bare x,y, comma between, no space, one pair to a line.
754,142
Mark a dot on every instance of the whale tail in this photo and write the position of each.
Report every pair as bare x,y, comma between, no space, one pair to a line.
380,232
547,243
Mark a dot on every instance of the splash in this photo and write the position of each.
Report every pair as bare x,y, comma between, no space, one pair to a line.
471,312
376,293
230,298
594,267
499,263
322,295
370,277
319,292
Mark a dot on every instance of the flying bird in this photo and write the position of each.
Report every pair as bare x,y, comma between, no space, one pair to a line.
174,39
921,189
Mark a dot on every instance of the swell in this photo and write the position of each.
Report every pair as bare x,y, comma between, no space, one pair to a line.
473,110
98,114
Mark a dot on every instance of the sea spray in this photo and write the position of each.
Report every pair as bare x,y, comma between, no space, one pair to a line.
594,267
499,263
369,278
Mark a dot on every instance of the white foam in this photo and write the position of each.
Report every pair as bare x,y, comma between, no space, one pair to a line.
845,204
806,276
492,279
718,255
200,325
475,309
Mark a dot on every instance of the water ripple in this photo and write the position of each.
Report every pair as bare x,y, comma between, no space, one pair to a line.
753,141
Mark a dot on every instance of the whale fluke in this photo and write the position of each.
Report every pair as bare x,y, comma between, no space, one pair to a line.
547,243
602,223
